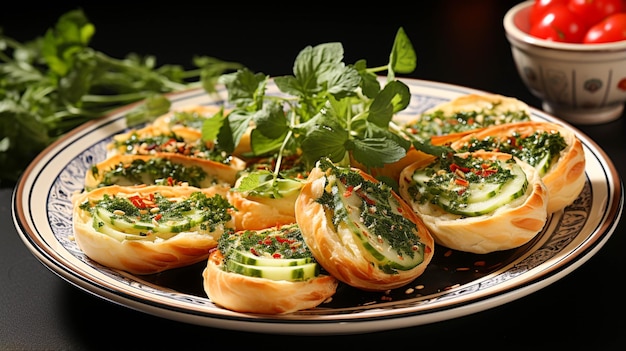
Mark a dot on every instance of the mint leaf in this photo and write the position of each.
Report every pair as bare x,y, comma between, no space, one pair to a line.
402,58
239,122
262,145
320,70
243,86
327,139
342,82
255,181
317,64
370,86
289,85
376,152
394,97
271,121
262,183
212,125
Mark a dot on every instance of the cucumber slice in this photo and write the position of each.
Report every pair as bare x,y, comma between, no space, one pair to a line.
289,273
122,222
139,235
191,219
421,177
253,260
105,228
509,191
482,191
478,191
386,255
544,164
121,236
128,225
120,228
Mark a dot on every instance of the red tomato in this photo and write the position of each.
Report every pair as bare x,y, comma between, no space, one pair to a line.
559,24
594,11
540,7
612,28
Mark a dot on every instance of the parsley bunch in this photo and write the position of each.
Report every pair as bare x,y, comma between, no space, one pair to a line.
56,82
327,108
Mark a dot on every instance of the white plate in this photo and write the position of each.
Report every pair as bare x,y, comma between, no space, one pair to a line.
452,286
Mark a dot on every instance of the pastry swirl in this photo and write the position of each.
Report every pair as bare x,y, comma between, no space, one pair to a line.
149,229
552,149
267,271
361,231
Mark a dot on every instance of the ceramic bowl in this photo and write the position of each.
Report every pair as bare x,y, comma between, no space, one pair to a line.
579,83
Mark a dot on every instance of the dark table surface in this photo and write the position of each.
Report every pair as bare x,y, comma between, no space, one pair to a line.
457,42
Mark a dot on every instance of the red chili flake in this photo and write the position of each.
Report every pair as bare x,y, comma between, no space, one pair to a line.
277,255
348,191
253,251
485,171
363,196
462,182
512,141
454,167
137,201
158,216
284,240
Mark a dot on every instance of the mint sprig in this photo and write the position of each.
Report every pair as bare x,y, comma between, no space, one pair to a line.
326,108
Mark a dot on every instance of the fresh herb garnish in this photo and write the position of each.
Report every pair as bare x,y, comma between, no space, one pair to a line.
56,82
327,108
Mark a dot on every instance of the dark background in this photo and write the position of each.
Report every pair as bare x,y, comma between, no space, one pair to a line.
458,42
455,40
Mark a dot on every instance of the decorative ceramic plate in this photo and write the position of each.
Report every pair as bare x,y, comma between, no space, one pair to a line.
454,284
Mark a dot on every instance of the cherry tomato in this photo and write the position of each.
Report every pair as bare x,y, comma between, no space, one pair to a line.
612,28
594,11
558,23
540,7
